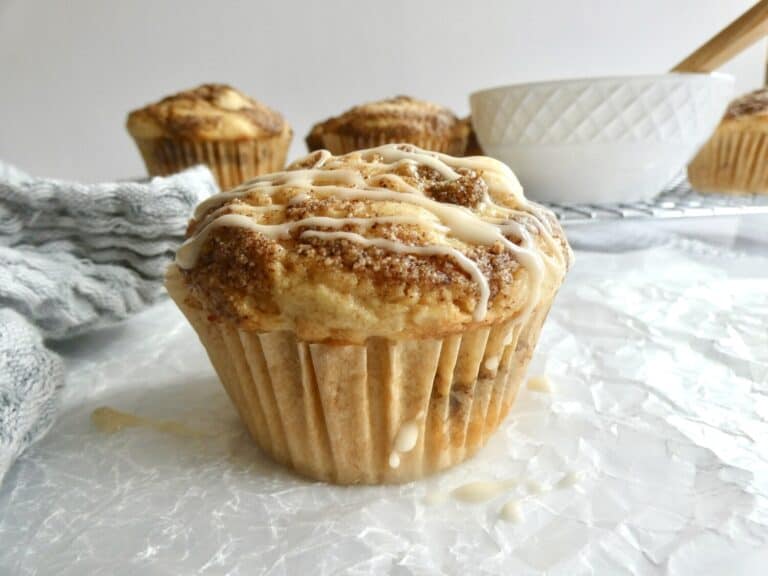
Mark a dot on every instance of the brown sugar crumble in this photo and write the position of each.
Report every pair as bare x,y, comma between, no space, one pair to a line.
204,109
238,268
469,190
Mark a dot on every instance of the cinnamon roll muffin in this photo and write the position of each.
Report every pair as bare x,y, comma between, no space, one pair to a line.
735,159
399,119
213,124
371,315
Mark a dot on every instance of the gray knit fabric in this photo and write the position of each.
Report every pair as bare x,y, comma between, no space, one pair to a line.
73,258
30,377
131,224
64,295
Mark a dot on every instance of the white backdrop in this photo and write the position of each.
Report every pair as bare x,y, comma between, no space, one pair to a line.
72,70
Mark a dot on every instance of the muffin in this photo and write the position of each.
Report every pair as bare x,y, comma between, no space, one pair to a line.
401,119
235,136
473,147
735,159
371,315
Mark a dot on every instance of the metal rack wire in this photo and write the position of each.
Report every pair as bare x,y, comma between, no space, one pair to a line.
678,200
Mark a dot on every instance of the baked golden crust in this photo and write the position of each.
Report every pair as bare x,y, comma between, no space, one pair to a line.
398,119
208,112
393,241
749,106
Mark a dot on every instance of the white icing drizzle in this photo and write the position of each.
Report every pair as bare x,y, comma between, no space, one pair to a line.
270,183
534,487
238,209
407,436
298,198
569,479
540,384
448,219
323,156
434,498
482,490
392,154
491,363
497,175
313,177
510,512
405,440
400,184
110,421
464,224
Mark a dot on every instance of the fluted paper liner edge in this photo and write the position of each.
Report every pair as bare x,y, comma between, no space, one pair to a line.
332,412
732,161
232,162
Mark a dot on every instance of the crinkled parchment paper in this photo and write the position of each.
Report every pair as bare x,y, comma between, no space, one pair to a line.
657,350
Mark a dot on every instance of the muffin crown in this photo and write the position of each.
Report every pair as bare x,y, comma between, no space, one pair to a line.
752,104
399,117
208,112
392,241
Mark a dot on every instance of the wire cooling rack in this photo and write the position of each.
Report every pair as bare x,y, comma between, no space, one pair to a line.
678,200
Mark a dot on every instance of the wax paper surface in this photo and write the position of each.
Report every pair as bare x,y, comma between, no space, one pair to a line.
657,352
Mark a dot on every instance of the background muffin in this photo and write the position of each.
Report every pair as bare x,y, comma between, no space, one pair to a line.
735,159
216,125
473,147
399,119
371,316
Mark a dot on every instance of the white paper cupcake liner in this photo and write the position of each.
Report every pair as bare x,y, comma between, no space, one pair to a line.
349,413
732,161
232,162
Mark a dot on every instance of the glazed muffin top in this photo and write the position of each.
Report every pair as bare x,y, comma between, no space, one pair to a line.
398,119
749,105
392,241
208,112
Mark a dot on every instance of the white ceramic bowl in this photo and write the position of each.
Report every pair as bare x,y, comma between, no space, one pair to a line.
599,140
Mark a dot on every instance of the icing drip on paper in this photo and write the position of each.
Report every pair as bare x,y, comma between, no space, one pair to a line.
510,512
540,384
110,421
534,487
435,497
570,479
482,490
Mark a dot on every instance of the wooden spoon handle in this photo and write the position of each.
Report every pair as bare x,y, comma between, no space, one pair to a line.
737,36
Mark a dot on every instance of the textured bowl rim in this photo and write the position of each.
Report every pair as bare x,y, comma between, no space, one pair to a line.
668,77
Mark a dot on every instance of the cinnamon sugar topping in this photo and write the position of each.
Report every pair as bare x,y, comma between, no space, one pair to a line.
391,228
750,104
208,111
398,119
